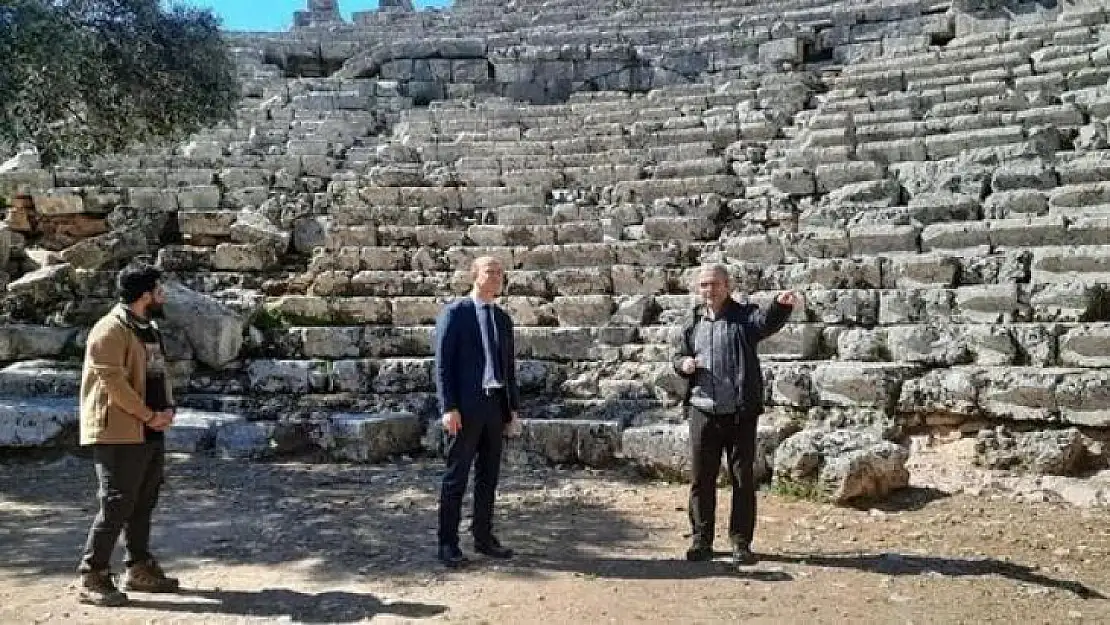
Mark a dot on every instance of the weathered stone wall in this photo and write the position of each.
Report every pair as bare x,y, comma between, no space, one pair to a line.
932,178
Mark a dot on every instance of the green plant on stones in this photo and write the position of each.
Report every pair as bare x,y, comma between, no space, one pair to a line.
803,490
273,318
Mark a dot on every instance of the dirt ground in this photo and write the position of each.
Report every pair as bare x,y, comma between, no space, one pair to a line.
346,544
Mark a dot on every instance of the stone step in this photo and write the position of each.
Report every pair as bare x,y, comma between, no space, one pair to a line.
195,431
1071,263
29,342
655,253
1069,396
933,63
40,378
38,422
1079,195
938,343
344,437
583,442
588,270
1023,232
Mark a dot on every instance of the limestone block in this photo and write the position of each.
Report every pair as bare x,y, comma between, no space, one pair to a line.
1087,345
988,303
1082,399
955,236
242,257
415,311
38,422
952,392
1005,204
869,385
330,342
1021,393
843,306
404,375
1071,263
201,197
928,345
879,239
761,249
793,342
206,223
904,271
583,310
843,465
1028,232
370,437
24,342
580,281
214,331
280,376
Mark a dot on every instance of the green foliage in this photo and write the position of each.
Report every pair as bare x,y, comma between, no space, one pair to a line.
267,319
798,490
274,318
85,77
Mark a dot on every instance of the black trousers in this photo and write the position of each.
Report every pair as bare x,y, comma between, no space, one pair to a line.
130,478
709,436
478,443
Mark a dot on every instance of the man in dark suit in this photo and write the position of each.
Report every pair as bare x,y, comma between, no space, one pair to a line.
479,401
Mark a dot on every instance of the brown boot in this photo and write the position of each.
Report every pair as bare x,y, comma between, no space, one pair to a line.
147,576
97,588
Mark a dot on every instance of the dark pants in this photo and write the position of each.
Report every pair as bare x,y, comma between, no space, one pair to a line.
478,443
709,436
129,477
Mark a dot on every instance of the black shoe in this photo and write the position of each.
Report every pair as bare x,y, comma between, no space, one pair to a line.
699,552
451,556
493,549
743,556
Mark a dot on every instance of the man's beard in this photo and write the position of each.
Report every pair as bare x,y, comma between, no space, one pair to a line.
155,310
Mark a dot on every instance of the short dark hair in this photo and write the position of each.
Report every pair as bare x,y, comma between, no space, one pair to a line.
135,279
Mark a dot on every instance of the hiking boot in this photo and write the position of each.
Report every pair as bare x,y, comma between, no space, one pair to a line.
147,576
700,551
97,588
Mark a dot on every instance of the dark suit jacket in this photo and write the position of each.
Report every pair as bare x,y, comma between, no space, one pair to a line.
460,359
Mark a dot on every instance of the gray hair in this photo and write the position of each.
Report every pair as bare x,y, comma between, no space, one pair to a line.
717,269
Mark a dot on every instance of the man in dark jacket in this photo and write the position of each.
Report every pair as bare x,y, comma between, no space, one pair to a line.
716,352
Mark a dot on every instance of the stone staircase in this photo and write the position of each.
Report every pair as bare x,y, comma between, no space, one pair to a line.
932,177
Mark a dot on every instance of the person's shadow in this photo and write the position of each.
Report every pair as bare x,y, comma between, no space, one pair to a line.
325,607
906,564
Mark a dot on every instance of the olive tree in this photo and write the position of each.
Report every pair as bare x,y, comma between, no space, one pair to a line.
85,77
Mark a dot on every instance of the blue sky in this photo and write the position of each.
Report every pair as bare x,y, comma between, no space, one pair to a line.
277,14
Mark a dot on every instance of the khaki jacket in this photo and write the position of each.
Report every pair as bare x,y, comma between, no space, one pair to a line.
113,383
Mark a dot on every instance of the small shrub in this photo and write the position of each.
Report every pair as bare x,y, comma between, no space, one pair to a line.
797,490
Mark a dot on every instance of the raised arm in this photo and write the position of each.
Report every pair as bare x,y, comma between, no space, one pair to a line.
768,321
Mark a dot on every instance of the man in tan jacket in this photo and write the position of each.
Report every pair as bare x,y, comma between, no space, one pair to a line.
126,406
